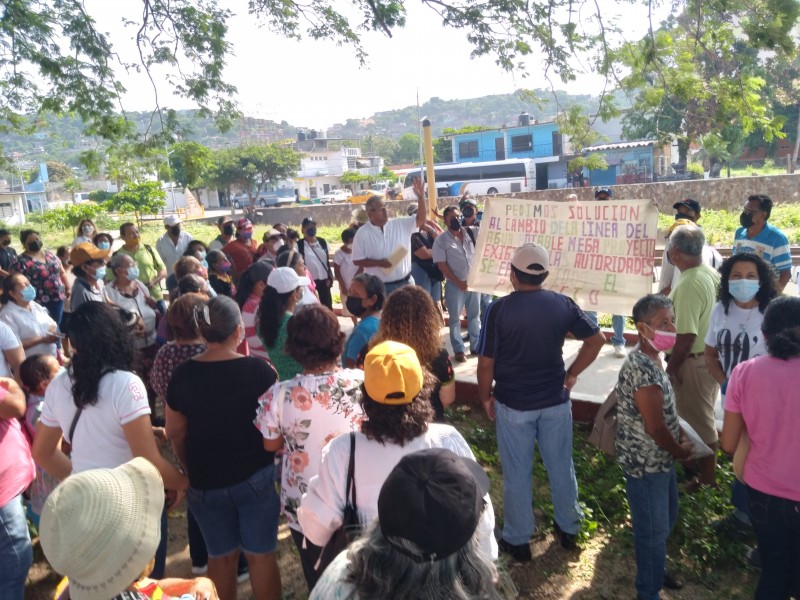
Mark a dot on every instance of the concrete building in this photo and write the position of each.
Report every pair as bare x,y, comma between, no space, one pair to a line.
326,160
541,142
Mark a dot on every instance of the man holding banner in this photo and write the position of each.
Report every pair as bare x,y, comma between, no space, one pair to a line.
520,352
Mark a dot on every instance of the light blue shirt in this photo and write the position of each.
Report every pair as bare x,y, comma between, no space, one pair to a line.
770,244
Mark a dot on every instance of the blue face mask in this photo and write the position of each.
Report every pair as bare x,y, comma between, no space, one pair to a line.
28,293
204,263
100,272
133,272
104,245
743,290
202,254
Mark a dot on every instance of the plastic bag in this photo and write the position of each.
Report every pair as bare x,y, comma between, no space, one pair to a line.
700,448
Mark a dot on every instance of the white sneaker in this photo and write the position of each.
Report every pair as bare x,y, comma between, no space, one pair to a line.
619,351
199,569
243,576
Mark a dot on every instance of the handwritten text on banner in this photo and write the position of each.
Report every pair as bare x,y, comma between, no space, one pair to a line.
602,254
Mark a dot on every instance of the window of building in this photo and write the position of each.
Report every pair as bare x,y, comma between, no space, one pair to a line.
468,149
521,143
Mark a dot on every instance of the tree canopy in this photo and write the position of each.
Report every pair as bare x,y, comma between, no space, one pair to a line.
251,168
53,57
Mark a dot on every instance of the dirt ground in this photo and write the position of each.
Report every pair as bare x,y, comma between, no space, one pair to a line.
603,570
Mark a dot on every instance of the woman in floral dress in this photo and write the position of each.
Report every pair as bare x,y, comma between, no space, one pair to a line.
45,273
301,415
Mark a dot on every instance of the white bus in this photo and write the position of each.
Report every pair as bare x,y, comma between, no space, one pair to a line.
479,178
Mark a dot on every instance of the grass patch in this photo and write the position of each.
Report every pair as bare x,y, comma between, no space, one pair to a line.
694,544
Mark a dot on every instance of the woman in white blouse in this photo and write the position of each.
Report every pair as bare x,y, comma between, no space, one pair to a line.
131,294
29,320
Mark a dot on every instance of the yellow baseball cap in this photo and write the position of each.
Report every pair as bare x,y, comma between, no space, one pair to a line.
392,374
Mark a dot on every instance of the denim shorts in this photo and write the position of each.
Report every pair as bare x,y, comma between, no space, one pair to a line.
243,516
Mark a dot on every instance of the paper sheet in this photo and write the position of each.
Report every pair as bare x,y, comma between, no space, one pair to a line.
395,257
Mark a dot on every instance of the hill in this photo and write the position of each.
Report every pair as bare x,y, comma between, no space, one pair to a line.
61,138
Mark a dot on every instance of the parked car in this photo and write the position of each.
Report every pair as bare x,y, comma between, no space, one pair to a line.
361,196
265,199
335,196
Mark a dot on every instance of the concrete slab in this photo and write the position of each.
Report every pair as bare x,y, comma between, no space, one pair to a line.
589,393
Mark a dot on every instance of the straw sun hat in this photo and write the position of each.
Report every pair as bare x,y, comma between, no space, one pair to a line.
101,527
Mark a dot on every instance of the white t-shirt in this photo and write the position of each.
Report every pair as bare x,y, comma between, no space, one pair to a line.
171,252
736,336
99,440
346,267
137,305
8,341
320,511
28,324
374,243
315,259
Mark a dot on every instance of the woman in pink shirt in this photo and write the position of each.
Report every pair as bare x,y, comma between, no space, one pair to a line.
762,401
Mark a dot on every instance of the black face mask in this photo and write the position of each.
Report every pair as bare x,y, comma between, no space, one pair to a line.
175,230
311,232
455,224
468,212
746,220
227,229
355,306
34,246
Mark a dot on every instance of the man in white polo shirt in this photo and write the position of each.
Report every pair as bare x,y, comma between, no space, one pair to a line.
382,239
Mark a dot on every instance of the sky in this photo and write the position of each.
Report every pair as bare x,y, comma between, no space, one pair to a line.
315,84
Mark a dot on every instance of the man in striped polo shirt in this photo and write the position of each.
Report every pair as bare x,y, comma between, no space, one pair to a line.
760,237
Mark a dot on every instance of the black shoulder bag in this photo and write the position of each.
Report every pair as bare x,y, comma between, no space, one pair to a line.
351,527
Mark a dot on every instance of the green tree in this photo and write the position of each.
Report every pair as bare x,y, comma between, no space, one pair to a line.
58,172
699,72
407,149
250,168
55,59
190,163
138,198
577,126
72,186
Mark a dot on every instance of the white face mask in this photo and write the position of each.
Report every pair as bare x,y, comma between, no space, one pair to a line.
277,245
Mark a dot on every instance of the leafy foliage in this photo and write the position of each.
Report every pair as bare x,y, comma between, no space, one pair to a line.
250,168
190,163
698,76
138,198
68,217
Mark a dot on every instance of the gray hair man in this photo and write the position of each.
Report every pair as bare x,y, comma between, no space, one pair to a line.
382,246
693,297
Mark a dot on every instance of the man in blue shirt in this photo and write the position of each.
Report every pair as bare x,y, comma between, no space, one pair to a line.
758,236
520,352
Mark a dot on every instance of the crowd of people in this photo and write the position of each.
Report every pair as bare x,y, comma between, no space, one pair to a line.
248,375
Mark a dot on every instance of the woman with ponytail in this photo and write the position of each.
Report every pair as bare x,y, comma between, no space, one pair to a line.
762,421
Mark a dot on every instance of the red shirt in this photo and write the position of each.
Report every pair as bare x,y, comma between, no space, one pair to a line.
242,254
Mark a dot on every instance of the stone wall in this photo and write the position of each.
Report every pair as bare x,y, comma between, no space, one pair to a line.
728,194
717,194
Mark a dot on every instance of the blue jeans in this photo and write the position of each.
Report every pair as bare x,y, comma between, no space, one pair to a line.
390,287
16,553
457,300
242,516
776,522
486,300
434,288
617,323
653,501
56,310
517,433
161,552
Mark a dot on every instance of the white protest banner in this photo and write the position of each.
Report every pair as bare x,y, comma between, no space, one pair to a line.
602,253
